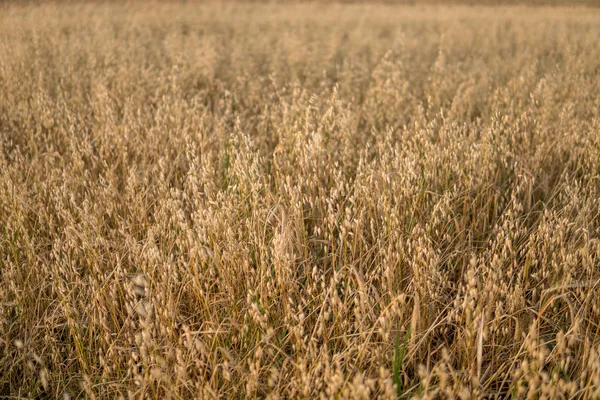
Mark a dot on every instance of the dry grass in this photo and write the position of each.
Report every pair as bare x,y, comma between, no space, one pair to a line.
299,201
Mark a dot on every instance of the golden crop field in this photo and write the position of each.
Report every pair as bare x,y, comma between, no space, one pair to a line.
299,200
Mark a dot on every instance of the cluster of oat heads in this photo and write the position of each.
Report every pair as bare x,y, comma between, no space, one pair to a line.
299,201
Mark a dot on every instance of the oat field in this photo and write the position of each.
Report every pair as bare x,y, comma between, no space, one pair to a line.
299,200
